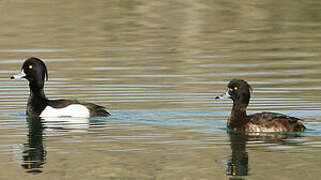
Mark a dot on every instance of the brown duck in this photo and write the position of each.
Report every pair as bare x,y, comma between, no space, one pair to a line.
239,91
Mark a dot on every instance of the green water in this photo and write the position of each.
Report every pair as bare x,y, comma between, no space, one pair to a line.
157,66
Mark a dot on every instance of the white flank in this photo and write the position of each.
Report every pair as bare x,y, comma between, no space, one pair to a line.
74,110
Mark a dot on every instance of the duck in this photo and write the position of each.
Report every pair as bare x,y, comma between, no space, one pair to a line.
35,71
239,91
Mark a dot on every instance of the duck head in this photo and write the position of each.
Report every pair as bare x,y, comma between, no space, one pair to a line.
35,71
239,91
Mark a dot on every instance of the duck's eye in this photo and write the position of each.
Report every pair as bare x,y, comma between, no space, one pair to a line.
236,88
30,66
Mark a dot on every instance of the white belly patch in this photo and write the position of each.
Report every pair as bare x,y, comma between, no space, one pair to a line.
73,110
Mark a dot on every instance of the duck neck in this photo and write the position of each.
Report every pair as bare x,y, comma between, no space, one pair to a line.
37,101
238,118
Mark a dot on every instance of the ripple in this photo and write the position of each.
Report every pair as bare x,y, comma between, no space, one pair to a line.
297,54
118,149
133,68
33,50
210,56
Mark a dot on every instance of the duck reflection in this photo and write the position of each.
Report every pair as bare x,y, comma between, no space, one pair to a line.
34,153
238,164
71,124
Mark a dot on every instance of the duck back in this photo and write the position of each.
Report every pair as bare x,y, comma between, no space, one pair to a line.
273,122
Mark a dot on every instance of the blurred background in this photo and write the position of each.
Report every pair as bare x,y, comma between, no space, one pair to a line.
157,66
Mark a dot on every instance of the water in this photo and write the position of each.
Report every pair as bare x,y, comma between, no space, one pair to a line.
157,66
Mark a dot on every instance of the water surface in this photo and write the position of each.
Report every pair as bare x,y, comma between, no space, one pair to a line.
157,67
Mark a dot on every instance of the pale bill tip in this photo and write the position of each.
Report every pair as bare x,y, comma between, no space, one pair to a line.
19,75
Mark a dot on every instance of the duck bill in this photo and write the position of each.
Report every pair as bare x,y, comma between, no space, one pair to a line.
19,75
225,95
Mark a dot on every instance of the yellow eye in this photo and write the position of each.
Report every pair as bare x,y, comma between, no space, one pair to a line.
30,67
236,88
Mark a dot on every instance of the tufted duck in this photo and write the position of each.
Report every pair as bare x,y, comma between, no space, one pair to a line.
239,91
35,71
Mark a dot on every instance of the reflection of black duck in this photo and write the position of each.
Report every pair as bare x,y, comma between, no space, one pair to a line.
34,154
239,92
238,163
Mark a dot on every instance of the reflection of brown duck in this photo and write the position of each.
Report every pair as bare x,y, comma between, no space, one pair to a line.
238,163
34,153
239,92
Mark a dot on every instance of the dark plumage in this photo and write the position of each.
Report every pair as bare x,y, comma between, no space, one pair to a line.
239,92
35,71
